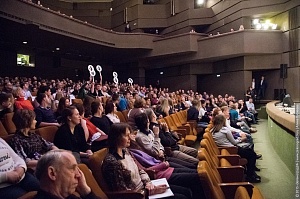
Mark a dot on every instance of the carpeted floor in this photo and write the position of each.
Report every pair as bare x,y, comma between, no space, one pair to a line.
277,180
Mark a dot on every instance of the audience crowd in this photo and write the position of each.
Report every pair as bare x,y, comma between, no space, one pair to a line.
86,116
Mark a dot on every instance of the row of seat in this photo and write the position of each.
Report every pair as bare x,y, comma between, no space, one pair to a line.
217,168
222,173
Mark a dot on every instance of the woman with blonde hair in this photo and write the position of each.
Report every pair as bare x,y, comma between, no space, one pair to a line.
21,102
164,108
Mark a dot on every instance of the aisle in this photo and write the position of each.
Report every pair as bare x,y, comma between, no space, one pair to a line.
277,180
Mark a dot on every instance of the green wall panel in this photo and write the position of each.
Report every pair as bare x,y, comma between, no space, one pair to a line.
283,143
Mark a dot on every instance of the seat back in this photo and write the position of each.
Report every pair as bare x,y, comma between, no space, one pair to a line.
125,113
241,193
180,117
3,131
29,195
121,116
8,123
179,125
209,137
170,123
77,101
91,182
205,144
204,155
209,182
95,164
47,132
175,120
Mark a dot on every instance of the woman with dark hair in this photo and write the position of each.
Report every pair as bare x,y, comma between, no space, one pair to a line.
70,136
110,112
14,180
224,138
120,170
28,145
93,134
62,104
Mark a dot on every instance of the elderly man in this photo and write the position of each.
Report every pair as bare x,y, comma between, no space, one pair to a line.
60,177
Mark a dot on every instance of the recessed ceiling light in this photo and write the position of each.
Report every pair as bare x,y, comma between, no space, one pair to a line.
24,42
57,48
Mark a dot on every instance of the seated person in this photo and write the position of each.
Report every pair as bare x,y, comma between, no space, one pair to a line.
119,168
93,135
224,138
28,145
5,104
150,142
98,119
60,177
70,136
177,176
194,114
164,108
14,180
110,112
251,108
235,132
62,104
44,115
138,108
20,102
168,140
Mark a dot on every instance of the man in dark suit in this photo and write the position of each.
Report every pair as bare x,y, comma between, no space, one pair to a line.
262,87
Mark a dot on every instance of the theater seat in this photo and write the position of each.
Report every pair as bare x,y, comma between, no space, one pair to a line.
215,189
29,195
77,101
228,172
121,116
8,123
189,139
91,182
95,164
241,193
47,132
233,159
3,131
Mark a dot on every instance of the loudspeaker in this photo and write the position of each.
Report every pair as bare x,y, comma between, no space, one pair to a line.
283,71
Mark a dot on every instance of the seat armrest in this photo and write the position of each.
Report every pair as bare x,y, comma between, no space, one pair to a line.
187,128
229,189
127,194
231,174
231,150
232,159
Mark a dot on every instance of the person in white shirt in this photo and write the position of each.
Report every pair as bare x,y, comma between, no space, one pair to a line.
251,107
14,180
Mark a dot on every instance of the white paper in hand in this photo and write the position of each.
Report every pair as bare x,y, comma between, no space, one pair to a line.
167,193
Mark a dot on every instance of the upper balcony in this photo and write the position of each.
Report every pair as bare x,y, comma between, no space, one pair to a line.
185,47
